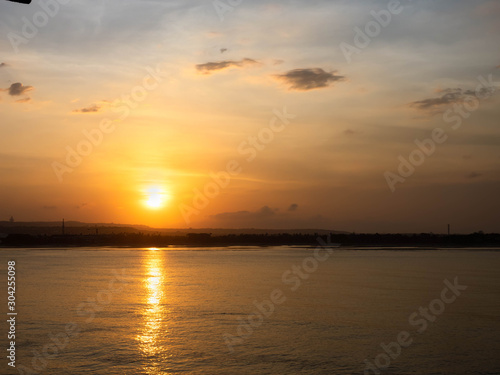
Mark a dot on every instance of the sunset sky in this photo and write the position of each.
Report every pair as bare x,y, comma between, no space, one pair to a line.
173,91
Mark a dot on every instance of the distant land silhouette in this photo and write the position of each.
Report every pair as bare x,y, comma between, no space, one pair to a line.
77,227
34,234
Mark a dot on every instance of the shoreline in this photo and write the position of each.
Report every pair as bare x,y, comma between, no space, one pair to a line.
332,240
254,247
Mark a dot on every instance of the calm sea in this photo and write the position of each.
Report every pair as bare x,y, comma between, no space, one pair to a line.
252,310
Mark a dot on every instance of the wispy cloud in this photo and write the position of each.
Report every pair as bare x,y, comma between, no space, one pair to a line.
24,100
350,132
264,212
211,67
448,97
309,79
473,175
93,108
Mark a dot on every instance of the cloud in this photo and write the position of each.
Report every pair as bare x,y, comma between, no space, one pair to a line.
210,67
17,89
449,97
263,213
350,132
2,65
473,175
49,207
93,108
268,218
309,79
24,100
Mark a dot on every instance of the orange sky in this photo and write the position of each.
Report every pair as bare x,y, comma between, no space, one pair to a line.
124,111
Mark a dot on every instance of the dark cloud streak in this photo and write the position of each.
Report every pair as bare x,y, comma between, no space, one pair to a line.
473,175
263,213
211,67
309,79
94,108
450,96
24,100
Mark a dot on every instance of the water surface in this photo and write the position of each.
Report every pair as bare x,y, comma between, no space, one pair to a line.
170,311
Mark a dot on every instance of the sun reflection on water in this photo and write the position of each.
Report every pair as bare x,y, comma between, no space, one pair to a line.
154,330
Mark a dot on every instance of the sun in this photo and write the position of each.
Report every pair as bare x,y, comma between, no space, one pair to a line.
154,201
155,198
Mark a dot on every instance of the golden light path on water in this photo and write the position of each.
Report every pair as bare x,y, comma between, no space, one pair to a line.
154,330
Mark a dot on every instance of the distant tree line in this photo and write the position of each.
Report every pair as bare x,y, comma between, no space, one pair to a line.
478,239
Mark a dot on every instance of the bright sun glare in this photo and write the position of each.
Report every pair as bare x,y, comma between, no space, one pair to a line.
156,198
